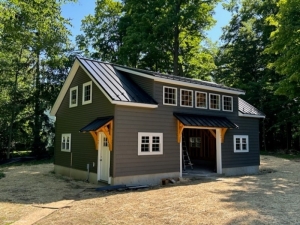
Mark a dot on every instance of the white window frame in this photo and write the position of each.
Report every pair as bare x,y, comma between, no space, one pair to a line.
224,104
70,102
150,135
65,137
190,106
164,87
206,103
210,94
83,93
235,137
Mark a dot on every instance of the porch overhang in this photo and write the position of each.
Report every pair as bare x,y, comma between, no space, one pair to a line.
203,122
101,124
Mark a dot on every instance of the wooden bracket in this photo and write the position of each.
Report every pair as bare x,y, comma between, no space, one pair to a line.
180,128
213,133
223,131
107,129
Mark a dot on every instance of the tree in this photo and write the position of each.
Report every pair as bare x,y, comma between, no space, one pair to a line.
33,35
242,63
163,36
285,44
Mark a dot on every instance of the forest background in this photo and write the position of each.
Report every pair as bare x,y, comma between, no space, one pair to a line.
259,52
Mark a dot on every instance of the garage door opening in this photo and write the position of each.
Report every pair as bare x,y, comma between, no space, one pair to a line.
200,145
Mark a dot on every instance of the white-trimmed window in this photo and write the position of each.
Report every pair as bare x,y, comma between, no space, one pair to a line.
186,98
227,103
170,96
150,143
195,142
214,101
240,143
73,97
87,93
66,142
201,100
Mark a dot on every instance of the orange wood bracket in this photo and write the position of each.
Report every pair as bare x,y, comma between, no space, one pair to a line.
107,129
180,128
223,131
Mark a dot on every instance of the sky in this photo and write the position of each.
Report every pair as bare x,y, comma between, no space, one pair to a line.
77,11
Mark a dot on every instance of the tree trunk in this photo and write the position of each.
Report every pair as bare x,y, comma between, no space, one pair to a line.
176,38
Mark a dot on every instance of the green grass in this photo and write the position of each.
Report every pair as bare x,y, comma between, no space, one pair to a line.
290,156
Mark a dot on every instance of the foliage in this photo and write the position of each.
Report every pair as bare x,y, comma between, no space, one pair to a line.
290,156
2,175
162,36
242,63
285,44
33,64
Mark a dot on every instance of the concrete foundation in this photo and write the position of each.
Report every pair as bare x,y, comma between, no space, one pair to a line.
240,170
75,174
147,179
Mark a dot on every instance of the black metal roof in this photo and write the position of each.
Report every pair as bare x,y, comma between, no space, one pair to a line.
204,120
182,79
96,124
248,109
115,83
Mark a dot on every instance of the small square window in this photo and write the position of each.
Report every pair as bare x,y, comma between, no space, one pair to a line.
66,142
240,143
214,102
201,100
227,103
170,96
73,97
87,93
186,98
150,143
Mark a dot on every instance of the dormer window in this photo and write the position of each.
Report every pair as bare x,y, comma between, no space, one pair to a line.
170,96
201,100
73,97
186,98
227,103
87,93
214,102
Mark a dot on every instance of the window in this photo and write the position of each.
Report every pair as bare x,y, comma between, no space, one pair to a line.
66,142
195,142
227,103
105,142
150,143
214,102
201,100
186,98
170,96
241,143
73,96
87,93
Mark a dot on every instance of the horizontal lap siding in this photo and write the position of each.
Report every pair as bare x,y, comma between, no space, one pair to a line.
70,120
130,120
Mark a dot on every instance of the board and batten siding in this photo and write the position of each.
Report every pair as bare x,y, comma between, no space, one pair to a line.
71,120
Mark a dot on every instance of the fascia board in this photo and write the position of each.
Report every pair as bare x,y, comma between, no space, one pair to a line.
251,116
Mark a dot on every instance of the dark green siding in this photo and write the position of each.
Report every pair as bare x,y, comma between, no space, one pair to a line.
70,120
131,120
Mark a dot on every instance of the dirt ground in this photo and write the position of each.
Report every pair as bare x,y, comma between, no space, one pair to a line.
271,197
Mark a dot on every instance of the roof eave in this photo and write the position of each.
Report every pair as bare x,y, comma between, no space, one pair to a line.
135,104
175,82
251,115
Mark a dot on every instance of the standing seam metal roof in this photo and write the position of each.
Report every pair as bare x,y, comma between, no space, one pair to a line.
246,108
96,124
115,83
204,120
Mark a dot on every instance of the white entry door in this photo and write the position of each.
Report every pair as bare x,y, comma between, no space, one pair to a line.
103,158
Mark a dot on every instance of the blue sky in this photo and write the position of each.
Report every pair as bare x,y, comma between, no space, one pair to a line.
77,11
